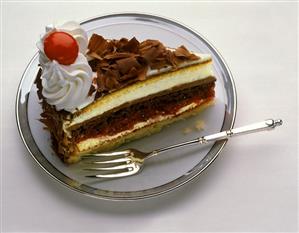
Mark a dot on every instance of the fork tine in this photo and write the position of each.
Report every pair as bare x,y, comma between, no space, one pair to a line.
108,162
108,154
125,166
114,175
120,160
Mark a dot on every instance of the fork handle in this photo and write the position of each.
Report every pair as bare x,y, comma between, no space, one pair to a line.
252,128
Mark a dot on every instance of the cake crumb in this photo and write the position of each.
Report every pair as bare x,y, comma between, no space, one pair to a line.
200,125
187,130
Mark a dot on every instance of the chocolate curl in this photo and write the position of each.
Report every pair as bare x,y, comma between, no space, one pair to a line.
183,53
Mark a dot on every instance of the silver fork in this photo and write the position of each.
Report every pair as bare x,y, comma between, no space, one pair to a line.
131,161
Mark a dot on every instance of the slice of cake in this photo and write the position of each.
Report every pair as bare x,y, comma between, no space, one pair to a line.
98,94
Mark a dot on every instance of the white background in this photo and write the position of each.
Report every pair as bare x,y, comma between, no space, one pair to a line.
252,186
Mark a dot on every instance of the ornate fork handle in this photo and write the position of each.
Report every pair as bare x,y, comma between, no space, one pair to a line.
256,127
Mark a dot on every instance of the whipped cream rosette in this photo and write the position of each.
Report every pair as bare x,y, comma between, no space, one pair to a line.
66,74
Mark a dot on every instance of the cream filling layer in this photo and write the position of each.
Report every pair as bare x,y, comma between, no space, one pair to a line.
95,141
142,89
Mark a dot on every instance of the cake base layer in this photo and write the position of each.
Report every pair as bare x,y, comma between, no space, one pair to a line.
93,145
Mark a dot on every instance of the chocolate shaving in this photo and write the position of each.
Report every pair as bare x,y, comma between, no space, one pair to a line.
131,46
91,90
38,83
119,63
97,46
126,64
182,52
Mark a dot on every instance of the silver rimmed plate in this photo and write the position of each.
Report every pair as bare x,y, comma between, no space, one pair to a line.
164,173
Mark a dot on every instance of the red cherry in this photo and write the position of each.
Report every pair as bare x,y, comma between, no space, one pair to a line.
62,47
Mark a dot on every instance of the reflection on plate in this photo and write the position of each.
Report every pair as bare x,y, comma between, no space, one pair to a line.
163,173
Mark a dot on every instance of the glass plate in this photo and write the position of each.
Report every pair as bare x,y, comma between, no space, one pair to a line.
162,173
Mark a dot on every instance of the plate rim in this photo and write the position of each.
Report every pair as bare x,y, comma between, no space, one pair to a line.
104,194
